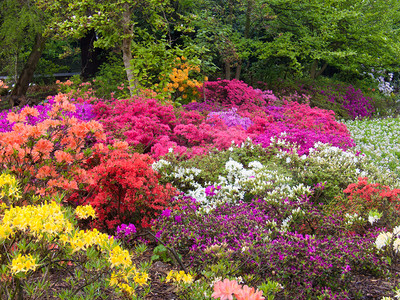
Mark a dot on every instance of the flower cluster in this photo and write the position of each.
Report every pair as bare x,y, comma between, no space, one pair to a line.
9,189
179,276
23,263
182,85
125,189
84,212
32,229
45,155
225,289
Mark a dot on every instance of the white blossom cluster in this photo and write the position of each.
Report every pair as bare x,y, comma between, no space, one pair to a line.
379,139
385,239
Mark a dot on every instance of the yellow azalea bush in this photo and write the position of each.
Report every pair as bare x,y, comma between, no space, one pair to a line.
37,240
9,189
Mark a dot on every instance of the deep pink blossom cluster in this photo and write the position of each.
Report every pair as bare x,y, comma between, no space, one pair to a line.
233,112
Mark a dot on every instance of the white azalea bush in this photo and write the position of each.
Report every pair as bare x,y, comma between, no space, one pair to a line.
379,140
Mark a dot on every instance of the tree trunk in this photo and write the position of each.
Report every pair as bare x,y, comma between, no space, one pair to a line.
127,48
21,86
314,74
313,70
90,56
321,70
238,70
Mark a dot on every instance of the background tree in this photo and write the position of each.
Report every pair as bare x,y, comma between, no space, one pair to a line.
117,23
347,34
22,39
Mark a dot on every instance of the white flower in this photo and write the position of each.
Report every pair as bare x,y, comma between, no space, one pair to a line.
288,160
383,239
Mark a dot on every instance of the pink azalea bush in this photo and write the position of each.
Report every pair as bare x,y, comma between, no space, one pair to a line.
232,112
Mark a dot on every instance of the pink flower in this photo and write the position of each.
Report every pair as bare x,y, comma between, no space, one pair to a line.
248,293
225,289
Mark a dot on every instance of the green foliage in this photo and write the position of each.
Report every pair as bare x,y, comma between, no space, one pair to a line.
111,78
161,253
346,34
20,21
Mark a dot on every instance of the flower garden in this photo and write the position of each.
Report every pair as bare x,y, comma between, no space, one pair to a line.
226,192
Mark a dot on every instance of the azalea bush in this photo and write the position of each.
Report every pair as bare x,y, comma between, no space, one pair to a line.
45,154
40,240
378,140
260,238
123,187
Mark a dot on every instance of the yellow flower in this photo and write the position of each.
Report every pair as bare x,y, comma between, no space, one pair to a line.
130,290
5,231
118,256
84,212
187,278
23,263
170,276
141,280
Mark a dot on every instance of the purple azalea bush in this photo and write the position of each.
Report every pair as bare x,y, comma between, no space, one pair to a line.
309,254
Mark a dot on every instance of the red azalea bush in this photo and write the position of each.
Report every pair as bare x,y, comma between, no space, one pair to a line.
125,189
364,196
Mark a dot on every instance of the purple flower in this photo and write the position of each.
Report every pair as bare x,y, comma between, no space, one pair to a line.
166,213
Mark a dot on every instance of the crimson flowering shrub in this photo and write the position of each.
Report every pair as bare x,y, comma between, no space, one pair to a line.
233,113
305,138
301,124
364,197
236,93
137,120
124,188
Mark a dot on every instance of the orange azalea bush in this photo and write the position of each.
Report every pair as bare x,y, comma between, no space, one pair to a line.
47,156
181,83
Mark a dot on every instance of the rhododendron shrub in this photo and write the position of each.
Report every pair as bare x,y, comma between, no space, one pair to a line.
364,197
237,113
305,138
235,93
137,120
302,125
291,242
45,157
38,240
81,112
125,189
351,100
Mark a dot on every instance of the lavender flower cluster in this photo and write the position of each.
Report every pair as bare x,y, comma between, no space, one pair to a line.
231,118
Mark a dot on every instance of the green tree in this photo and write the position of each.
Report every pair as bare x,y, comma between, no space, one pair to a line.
22,40
117,23
231,29
347,34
